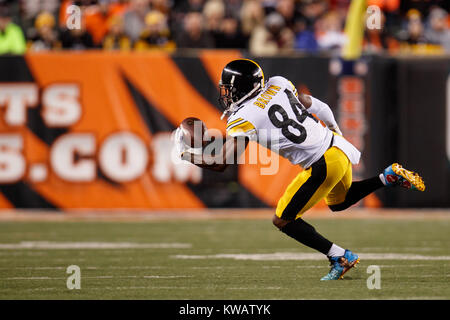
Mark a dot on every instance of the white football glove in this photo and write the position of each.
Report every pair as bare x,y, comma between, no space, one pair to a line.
180,145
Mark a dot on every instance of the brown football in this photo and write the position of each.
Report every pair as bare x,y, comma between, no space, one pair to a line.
193,132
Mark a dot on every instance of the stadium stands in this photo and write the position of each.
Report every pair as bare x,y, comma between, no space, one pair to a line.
263,27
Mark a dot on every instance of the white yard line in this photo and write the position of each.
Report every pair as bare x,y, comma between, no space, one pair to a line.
102,277
410,249
414,298
32,278
254,288
277,256
403,265
165,277
32,268
104,288
47,245
23,253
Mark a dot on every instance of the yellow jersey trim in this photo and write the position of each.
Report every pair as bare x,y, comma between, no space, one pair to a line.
233,122
294,89
242,127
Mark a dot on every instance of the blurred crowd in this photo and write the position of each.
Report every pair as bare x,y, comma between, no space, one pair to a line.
263,27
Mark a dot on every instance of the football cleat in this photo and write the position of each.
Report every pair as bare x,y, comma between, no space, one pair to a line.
396,175
340,265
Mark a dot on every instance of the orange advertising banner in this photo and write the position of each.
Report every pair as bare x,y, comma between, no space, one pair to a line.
92,130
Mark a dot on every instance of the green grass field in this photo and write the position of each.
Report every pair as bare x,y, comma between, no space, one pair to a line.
197,259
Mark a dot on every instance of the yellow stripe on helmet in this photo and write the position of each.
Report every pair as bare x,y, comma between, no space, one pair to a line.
262,72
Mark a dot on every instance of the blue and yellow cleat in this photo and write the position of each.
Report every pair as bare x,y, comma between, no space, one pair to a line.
340,265
396,175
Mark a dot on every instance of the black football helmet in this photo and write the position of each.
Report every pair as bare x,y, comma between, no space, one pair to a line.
241,79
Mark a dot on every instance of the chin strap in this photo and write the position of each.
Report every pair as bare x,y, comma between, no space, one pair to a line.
232,106
224,114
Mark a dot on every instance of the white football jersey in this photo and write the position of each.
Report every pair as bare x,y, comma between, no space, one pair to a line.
276,119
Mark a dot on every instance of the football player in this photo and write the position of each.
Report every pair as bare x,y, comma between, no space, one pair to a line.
274,112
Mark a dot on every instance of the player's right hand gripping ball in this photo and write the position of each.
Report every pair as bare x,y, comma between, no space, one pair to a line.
194,132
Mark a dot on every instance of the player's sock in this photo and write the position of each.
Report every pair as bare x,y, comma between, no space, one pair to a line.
305,233
357,191
336,251
383,179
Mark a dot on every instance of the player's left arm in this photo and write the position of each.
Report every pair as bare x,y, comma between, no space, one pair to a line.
321,109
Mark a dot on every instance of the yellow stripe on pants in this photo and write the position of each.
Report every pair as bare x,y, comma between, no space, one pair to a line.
334,187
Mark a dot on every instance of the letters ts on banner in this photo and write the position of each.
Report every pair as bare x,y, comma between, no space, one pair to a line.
60,103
